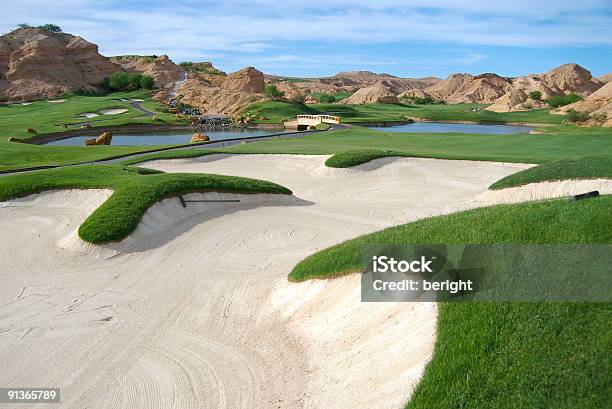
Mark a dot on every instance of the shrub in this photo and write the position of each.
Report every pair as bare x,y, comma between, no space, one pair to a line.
577,116
24,25
535,95
423,101
54,28
600,117
32,130
561,100
272,92
327,99
123,81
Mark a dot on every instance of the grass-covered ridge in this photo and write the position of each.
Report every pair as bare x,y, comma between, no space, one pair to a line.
589,167
502,355
277,111
526,148
134,191
171,154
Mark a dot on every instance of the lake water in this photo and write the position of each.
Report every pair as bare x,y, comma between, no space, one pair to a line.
168,138
439,127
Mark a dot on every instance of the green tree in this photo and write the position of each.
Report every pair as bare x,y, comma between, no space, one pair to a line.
327,99
561,100
119,81
24,25
146,82
272,92
535,95
54,28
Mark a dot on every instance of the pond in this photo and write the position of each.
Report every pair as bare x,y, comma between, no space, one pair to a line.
169,138
440,127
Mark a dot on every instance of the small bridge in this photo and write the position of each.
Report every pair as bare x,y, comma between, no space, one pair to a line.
304,121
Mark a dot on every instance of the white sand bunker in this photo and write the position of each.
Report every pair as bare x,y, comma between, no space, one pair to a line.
113,111
26,103
57,101
87,115
194,308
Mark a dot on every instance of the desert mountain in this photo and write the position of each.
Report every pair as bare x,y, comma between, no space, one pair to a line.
163,70
562,80
605,78
382,91
465,88
598,104
36,63
349,81
218,93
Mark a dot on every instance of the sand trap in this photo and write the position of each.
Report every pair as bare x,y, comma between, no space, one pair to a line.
26,103
137,100
194,309
87,115
112,111
57,101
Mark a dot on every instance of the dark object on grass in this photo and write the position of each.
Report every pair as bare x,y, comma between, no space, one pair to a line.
594,193
184,202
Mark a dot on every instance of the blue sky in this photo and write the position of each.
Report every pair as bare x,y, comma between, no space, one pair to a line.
318,38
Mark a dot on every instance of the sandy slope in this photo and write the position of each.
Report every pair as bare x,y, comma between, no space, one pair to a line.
194,310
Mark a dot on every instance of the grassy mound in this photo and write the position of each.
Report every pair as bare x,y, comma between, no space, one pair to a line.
177,154
590,167
497,355
135,190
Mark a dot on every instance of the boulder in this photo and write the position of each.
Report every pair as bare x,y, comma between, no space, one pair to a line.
199,137
104,139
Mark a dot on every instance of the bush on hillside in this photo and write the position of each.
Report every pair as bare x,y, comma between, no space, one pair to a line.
577,116
123,81
327,99
535,95
423,101
272,92
561,100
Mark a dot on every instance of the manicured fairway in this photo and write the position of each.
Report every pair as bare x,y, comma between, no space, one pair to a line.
538,148
45,117
590,167
501,354
135,190
277,111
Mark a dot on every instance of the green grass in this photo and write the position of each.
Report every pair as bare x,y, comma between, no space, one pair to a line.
134,191
463,112
176,154
504,355
590,167
527,148
276,111
46,117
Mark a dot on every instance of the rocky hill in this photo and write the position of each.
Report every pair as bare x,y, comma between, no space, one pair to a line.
36,63
598,104
349,81
565,79
216,94
605,78
163,70
466,88
382,91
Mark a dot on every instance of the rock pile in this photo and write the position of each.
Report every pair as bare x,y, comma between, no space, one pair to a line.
199,137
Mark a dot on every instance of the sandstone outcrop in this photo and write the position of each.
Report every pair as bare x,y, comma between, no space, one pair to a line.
104,139
466,88
605,78
349,81
598,104
199,137
216,94
562,80
381,92
36,64
412,93
162,69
